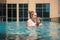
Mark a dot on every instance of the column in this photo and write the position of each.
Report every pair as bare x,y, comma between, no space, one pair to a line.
17,13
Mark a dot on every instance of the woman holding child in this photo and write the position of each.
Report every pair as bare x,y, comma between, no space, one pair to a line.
32,23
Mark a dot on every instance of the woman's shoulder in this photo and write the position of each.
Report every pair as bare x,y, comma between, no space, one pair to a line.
29,20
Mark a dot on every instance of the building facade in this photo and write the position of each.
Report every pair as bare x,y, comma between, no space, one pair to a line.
17,10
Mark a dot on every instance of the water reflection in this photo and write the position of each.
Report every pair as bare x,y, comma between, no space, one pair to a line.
54,30
47,31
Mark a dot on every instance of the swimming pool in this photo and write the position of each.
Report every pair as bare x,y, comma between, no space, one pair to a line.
47,31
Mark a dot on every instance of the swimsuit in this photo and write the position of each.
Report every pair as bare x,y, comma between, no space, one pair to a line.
32,29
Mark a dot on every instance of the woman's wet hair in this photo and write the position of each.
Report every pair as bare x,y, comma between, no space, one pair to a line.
31,13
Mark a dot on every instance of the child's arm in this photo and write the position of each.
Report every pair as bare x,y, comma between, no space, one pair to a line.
40,24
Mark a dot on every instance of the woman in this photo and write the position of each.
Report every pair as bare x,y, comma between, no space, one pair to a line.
31,25
32,21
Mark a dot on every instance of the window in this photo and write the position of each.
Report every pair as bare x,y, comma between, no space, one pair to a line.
43,10
12,12
2,12
23,12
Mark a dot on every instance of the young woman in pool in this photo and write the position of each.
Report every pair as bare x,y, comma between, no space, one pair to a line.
31,25
32,21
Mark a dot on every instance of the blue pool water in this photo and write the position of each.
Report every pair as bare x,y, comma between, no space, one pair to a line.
49,30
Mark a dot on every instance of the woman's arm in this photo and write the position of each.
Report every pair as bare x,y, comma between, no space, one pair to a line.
28,23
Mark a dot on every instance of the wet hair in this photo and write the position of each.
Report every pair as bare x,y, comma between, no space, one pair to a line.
31,13
37,23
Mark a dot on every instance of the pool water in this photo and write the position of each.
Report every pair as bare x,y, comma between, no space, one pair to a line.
47,31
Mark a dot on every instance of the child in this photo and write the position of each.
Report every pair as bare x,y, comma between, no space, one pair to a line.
38,23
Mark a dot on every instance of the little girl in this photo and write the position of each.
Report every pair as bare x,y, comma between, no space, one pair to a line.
38,22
